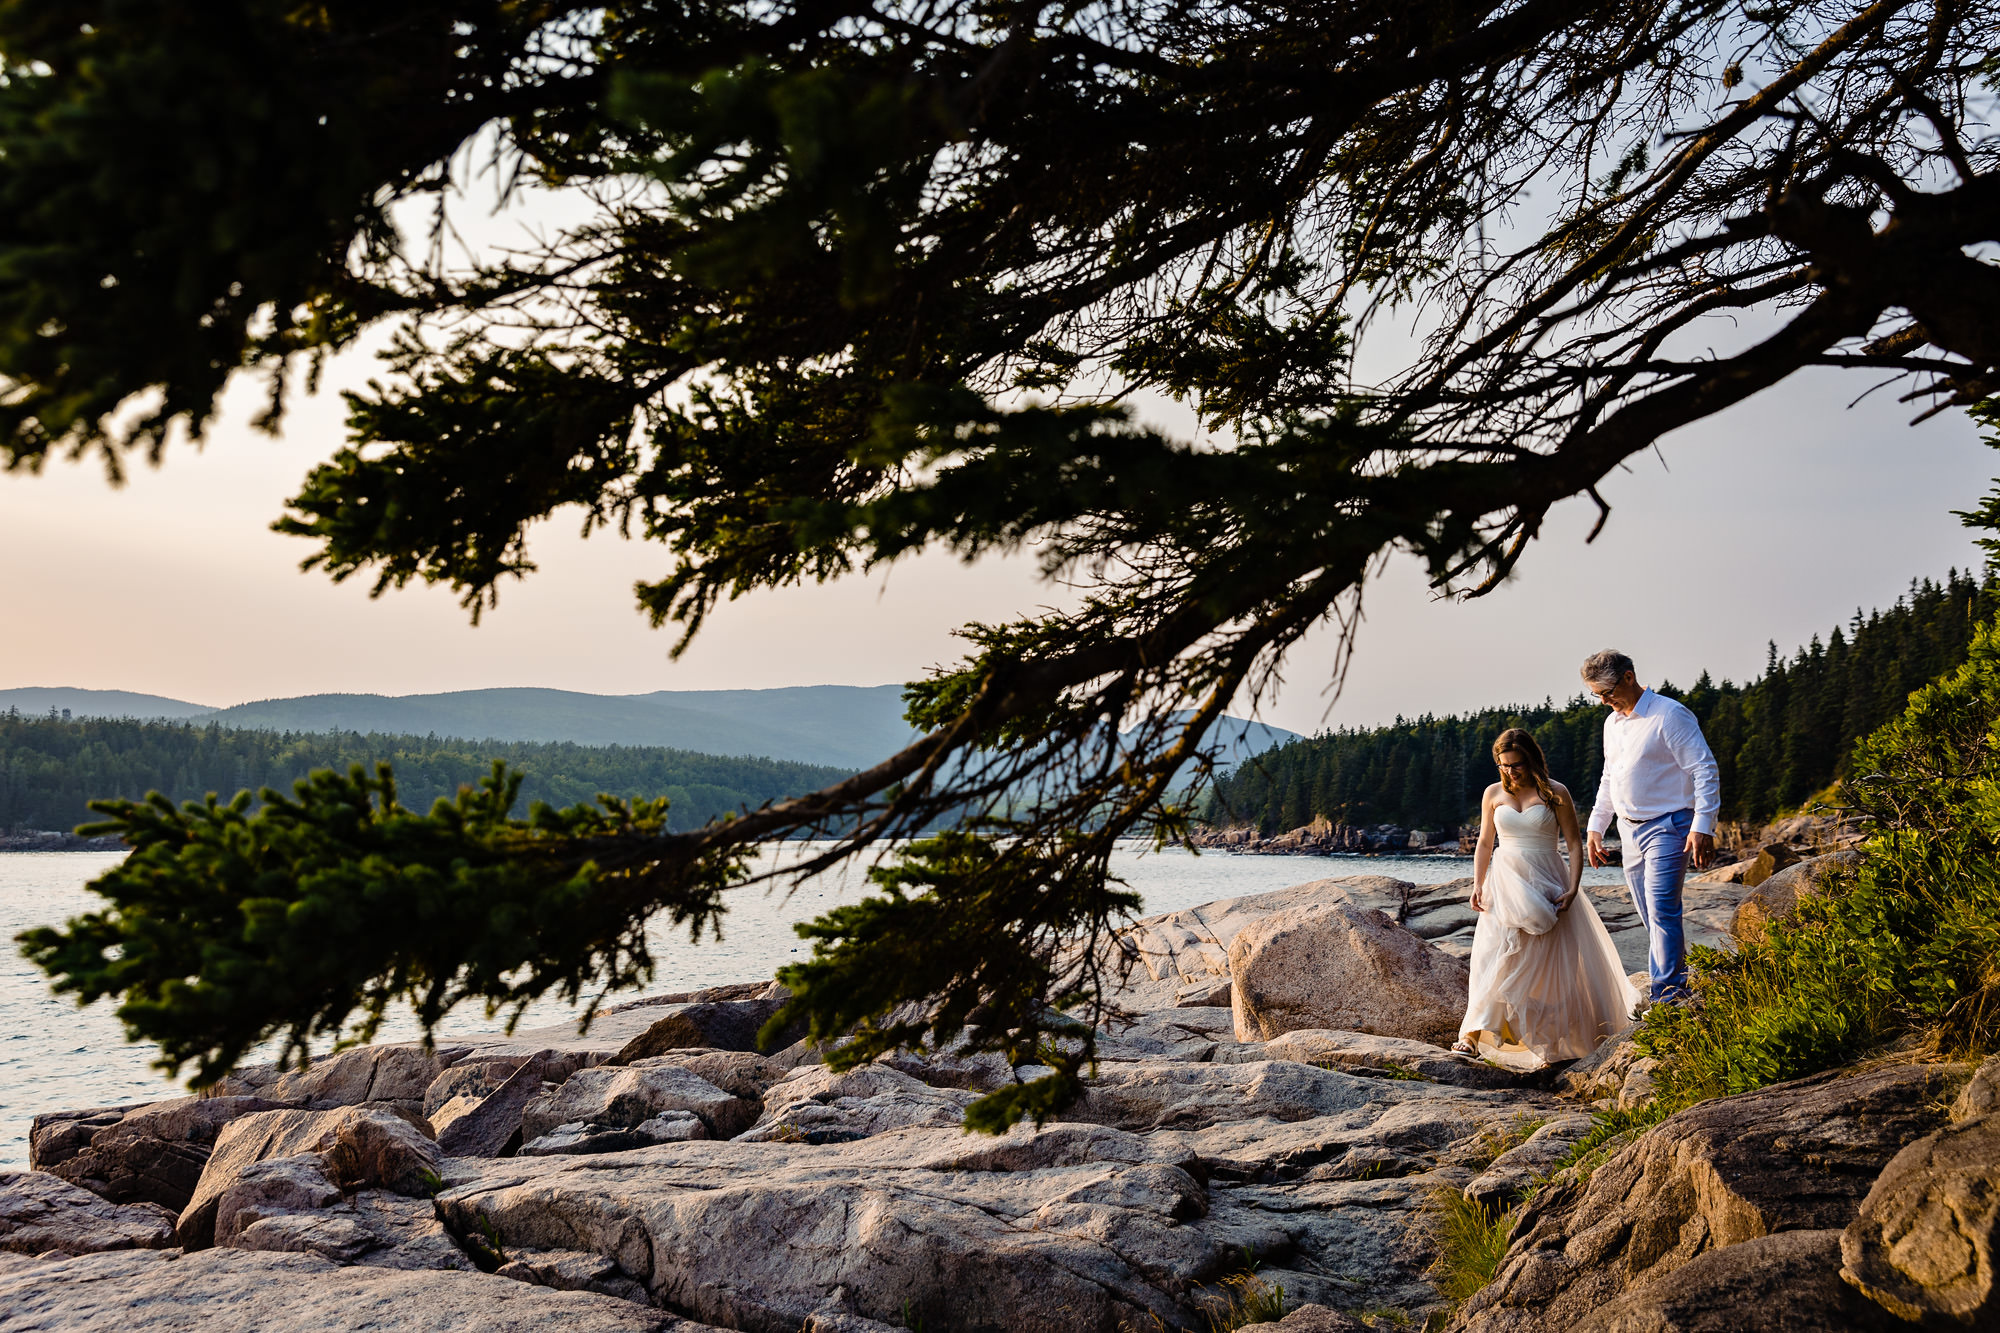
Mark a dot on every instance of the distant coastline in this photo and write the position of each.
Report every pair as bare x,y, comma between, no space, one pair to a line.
37,840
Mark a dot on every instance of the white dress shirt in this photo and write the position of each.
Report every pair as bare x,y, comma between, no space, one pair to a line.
1656,762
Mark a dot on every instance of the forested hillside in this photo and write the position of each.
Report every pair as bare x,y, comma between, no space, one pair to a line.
49,768
1777,739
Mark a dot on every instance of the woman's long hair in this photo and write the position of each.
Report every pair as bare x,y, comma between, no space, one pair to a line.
1523,743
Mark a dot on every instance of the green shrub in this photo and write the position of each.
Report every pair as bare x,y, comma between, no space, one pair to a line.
1907,951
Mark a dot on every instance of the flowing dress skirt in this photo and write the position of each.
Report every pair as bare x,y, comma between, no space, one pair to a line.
1546,985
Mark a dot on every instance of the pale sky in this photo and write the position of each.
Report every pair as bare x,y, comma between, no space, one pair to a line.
1773,521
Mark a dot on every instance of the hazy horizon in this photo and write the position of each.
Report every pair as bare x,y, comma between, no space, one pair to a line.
1772,523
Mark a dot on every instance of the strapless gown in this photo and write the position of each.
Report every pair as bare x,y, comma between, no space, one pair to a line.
1546,985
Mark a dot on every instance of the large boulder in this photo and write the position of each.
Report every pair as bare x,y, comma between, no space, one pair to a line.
289,1205
1924,1242
237,1291
358,1147
1777,897
398,1074
56,1136
154,1153
815,1104
1190,947
1332,965
491,1125
1771,859
717,1024
619,1097
476,1077
1797,1156
1783,1283
40,1212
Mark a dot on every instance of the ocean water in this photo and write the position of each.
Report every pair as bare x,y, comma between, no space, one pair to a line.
55,1055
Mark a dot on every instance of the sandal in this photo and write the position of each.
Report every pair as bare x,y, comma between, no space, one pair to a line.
1462,1048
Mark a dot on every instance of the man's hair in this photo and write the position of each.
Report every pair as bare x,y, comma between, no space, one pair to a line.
1607,667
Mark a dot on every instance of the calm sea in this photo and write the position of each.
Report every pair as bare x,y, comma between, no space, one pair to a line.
54,1055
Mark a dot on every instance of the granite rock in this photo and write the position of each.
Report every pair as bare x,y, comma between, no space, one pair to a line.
155,1153
1797,1156
56,1136
1318,1319
1981,1093
239,1291
722,1025
492,1126
40,1212
1338,966
621,1097
1509,1177
1775,898
1075,1226
815,1104
1924,1242
1783,1283
359,1148
1363,1053
579,1138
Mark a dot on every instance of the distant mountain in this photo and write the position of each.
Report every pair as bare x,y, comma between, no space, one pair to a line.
844,726
37,700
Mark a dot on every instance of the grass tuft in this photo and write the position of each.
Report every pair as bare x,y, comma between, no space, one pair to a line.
1247,1299
1471,1239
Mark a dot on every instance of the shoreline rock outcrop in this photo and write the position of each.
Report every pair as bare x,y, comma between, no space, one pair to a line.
541,1178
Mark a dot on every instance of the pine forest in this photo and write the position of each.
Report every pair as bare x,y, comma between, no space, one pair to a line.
50,768
1778,740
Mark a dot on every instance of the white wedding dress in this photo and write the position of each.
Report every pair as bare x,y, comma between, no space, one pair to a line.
1546,985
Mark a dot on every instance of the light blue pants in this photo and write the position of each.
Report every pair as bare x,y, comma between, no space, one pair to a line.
1655,865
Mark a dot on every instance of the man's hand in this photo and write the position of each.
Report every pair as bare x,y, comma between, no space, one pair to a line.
1700,849
1595,846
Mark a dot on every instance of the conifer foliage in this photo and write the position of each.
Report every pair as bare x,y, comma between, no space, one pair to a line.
858,280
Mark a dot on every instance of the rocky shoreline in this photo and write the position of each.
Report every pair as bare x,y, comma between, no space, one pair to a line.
1275,1093
1796,837
42,840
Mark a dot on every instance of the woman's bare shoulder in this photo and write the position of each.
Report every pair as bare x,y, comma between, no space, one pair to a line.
1561,791
1493,790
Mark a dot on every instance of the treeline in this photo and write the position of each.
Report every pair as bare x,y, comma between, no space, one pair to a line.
50,768
1777,740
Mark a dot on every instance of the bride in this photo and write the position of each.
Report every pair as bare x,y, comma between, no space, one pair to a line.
1546,982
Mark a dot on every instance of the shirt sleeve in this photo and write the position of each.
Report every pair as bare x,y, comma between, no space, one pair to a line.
1690,750
1603,812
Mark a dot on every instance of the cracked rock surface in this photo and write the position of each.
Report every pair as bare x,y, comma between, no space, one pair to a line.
652,1174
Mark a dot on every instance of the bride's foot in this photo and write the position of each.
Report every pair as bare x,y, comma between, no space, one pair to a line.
1463,1048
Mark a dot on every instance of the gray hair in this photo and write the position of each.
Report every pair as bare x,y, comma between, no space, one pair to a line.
1607,667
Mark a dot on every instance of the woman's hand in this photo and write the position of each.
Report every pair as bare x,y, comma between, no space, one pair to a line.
1562,903
1478,897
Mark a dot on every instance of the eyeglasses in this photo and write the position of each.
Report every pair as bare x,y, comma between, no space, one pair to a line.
1604,695
1510,767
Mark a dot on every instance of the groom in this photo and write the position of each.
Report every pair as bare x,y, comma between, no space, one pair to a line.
1660,782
